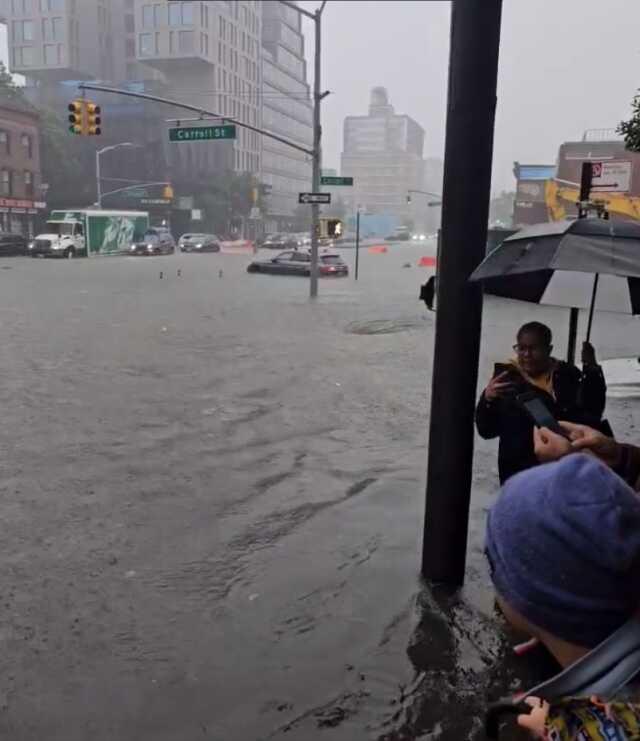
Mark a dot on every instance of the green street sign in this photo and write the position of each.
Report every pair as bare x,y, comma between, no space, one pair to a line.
202,133
330,180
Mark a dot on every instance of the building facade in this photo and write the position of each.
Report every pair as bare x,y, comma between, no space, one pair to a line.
286,110
20,178
209,55
382,151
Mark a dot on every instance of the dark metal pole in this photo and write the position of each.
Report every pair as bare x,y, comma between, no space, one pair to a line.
357,240
574,315
473,70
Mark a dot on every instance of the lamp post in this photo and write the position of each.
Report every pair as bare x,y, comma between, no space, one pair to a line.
99,153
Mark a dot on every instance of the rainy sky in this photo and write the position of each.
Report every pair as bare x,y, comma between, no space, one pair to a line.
565,66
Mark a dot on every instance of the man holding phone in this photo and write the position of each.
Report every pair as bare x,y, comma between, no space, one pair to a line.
534,376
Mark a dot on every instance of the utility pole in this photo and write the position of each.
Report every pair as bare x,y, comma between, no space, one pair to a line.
357,240
473,70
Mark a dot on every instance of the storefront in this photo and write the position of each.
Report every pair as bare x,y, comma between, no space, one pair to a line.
21,216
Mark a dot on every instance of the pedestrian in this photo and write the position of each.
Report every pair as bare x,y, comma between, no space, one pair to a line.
623,458
563,544
569,393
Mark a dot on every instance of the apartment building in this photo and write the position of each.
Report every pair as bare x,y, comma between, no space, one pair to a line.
209,55
20,178
286,110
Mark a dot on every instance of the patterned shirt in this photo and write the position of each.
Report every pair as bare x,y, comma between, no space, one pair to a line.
581,719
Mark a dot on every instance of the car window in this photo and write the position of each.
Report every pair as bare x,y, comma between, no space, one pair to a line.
301,257
331,259
284,256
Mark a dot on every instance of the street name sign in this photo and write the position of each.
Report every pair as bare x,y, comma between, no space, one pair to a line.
314,197
202,133
332,180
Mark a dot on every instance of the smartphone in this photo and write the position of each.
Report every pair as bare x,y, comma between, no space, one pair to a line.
512,376
540,413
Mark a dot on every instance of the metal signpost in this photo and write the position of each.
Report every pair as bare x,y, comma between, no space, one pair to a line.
314,197
202,133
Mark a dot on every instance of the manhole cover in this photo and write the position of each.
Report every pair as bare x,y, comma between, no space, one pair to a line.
383,326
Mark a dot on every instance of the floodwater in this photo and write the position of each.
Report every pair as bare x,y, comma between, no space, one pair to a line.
212,494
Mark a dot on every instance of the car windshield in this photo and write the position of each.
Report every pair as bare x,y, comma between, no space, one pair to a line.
331,260
151,237
60,228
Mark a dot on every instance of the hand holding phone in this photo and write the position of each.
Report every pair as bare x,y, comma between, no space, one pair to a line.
501,384
540,414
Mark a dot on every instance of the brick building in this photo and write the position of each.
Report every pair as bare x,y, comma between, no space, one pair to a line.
20,176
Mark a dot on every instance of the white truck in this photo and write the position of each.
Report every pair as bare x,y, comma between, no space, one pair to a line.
89,232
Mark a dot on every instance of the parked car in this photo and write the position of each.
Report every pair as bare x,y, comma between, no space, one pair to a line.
280,242
155,241
199,243
12,244
298,262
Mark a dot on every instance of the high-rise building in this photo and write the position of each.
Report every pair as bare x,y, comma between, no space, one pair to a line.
286,111
209,56
382,151
53,40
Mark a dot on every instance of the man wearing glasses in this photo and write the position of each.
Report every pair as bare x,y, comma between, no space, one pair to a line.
569,394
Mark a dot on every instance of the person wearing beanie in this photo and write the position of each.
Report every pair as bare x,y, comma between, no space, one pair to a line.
563,544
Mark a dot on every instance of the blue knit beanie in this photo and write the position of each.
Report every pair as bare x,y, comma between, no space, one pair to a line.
563,542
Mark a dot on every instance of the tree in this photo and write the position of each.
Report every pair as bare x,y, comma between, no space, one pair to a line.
631,129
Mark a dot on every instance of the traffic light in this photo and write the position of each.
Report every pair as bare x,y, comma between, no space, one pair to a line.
76,117
334,228
93,119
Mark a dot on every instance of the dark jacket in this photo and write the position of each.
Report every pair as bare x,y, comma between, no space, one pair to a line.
580,398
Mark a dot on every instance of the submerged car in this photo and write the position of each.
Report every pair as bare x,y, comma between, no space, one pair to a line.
12,244
155,241
298,262
199,243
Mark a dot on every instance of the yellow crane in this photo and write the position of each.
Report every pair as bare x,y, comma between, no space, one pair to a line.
560,195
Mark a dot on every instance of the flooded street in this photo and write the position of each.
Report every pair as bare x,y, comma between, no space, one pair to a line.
212,495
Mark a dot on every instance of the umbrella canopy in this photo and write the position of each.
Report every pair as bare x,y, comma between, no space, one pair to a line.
555,264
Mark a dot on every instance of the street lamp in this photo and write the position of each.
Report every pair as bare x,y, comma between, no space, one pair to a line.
98,155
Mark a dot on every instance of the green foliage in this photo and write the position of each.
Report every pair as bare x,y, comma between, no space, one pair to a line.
631,129
227,201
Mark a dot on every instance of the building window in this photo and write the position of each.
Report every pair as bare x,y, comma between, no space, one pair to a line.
185,41
204,44
148,45
5,182
22,31
5,142
181,14
52,29
130,48
52,54
52,6
27,143
147,16
23,56
129,23
187,14
21,7
28,183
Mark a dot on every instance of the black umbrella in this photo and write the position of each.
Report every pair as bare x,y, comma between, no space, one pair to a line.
586,263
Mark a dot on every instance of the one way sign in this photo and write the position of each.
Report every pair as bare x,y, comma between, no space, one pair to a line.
314,197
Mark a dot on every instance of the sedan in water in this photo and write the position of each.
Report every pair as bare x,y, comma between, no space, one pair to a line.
155,241
12,244
199,243
297,262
